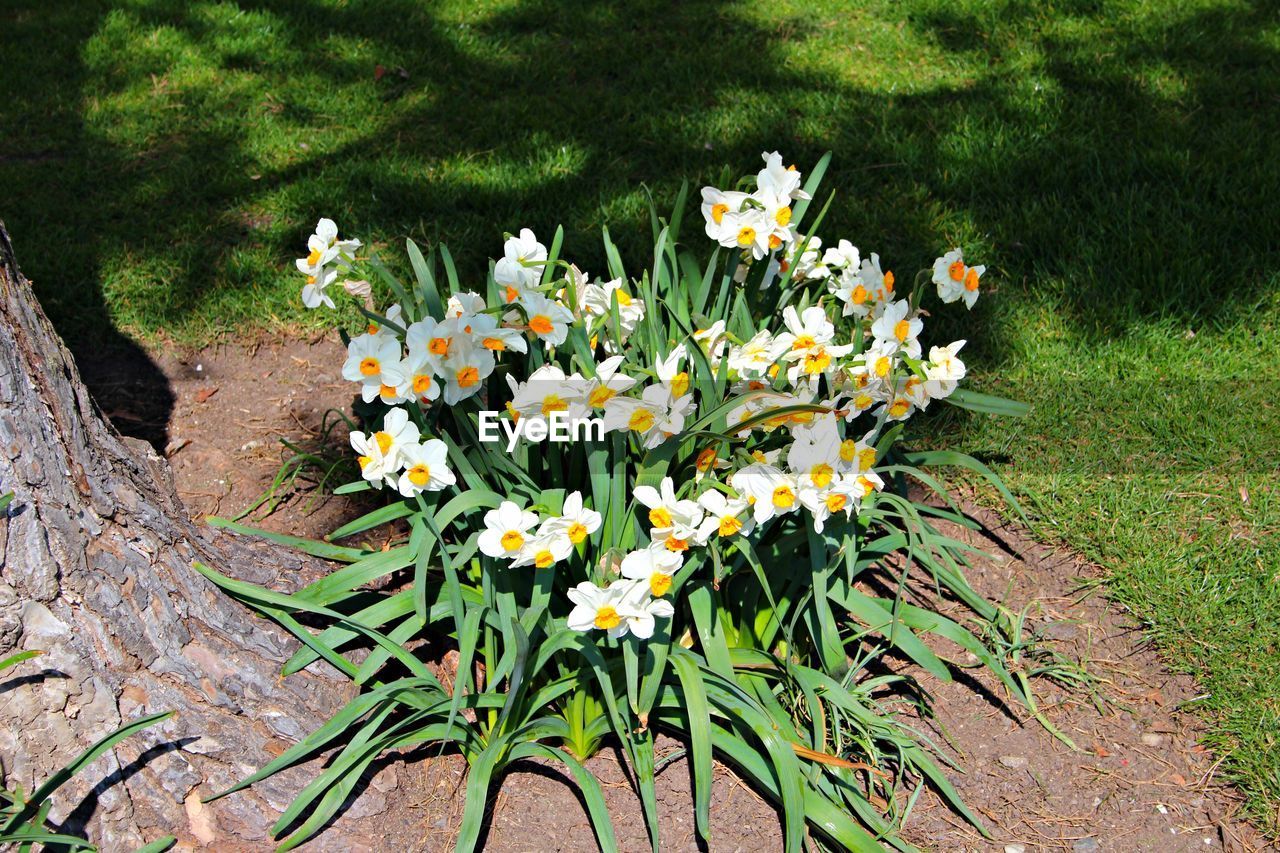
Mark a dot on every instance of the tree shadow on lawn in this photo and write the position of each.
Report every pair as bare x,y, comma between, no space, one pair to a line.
1118,168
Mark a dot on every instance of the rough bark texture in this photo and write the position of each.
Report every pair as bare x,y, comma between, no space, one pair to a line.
95,568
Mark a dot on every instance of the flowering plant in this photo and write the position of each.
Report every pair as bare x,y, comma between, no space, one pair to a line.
714,557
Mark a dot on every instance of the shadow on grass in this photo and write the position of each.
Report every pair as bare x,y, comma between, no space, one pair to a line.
1119,165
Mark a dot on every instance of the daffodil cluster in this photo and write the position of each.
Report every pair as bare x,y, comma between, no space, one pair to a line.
804,404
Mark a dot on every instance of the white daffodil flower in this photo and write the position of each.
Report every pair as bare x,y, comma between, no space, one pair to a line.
824,501
641,610
596,300
748,230
548,390
607,383
849,289
426,468
600,609
548,319
813,362
955,280
544,550
879,284
777,212
896,326
670,371
842,256
944,370
716,204
314,291
575,522
655,417
724,516
655,567
418,380
325,248
857,455
433,337
770,491
805,329
667,511
778,179
373,360
806,264
520,268
465,372
506,530
374,453
754,358
466,303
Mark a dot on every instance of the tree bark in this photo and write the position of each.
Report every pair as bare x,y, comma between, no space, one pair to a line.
95,569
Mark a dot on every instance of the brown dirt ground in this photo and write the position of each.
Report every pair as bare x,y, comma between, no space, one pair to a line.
1142,781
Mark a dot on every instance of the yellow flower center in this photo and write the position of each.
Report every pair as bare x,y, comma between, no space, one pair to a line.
364,461
543,559
370,366
729,525
705,459
421,384
372,328
576,532
512,540
836,501
439,346
419,474
888,282
387,390
659,584
867,458
803,342
783,216
511,294
718,211
821,475
641,420
553,403
816,361
862,401
899,407
314,257
882,366
902,330
600,396
746,236
859,295
660,517
784,497
848,449
971,280
674,544
384,441
679,384
956,271
495,344
607,617
468,376
774,241
624,298
541,324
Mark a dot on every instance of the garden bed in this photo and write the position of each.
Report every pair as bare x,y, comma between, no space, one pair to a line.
1142,781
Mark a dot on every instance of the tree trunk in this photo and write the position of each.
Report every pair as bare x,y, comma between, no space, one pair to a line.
95,569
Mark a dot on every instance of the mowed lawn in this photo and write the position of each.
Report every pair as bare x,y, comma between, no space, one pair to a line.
1115,164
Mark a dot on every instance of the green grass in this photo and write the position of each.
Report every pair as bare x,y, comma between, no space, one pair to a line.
1117,163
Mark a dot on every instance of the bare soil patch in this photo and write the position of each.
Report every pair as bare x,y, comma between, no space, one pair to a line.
1141,781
